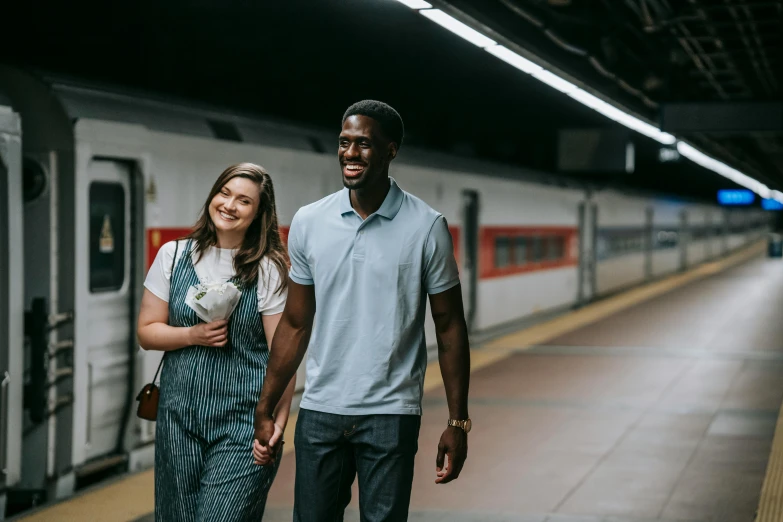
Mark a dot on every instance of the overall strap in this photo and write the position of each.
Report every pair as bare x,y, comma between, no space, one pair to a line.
173,262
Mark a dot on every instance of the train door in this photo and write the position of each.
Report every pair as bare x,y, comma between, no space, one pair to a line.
649,215
470,225
684,239
106,304
11,303
588,237
725,233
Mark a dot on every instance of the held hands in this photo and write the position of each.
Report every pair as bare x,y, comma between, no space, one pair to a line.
209,334
454,445
267,442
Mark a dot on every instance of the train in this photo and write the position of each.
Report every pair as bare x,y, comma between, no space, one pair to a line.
95,180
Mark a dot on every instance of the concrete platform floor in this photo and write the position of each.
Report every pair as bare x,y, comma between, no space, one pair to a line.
662,412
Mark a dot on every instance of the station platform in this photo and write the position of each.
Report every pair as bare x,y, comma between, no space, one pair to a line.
657,404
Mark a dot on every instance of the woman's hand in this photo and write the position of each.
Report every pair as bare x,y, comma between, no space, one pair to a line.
209,334
266,455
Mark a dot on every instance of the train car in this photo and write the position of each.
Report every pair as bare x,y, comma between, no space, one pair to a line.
669,237
700,245
623,231
109,178
11,298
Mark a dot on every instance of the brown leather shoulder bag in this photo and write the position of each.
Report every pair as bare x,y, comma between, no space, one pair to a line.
150,393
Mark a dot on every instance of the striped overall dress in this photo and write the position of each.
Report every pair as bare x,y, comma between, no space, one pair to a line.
204,468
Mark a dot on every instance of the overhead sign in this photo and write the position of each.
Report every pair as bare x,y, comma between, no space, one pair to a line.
595,150
771,204
736,197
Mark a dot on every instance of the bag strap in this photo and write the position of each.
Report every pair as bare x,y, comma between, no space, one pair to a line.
173,262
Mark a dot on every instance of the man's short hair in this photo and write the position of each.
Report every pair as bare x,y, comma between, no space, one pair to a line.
389,119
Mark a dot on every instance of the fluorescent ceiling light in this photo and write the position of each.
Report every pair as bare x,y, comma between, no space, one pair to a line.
724,170
595,103
554,81
416,4
587,99
621,117
457,27
512,58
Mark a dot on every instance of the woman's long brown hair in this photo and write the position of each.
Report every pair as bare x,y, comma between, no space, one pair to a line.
262,238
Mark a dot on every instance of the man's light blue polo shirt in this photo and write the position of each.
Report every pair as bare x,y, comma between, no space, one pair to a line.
367,353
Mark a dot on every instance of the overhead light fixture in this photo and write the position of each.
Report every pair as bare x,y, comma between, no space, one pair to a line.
699,158
554,81
416,4
621,117
457,27
580,95
512,58
610,111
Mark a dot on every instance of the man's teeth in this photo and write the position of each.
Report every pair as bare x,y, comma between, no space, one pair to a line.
354,167
227,216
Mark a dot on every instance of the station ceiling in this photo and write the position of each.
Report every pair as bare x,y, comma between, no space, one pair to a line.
307,60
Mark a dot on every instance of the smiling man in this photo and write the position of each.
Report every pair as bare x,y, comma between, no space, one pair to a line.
368,255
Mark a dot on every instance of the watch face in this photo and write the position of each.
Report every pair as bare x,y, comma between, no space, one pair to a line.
468,425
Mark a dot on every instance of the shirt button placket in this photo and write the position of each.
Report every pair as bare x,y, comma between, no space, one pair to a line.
359,244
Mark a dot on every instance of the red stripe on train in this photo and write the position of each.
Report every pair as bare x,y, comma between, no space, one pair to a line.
157,237
488,264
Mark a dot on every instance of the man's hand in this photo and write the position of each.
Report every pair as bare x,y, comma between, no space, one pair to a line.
265,440
454,445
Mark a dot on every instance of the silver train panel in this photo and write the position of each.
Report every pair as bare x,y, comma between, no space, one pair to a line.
11,299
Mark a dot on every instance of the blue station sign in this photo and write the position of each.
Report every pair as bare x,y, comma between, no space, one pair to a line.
736,197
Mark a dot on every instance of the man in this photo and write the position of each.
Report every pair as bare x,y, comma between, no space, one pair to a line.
366,255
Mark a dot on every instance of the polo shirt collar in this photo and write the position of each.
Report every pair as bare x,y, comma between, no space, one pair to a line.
389,208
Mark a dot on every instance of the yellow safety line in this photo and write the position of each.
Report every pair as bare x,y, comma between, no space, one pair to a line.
130,498
771,501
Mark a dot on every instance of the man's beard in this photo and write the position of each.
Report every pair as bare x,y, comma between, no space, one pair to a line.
355,184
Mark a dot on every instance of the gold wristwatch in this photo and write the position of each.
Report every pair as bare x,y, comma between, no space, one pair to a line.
465,425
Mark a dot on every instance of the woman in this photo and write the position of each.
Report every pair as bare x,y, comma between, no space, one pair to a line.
213,373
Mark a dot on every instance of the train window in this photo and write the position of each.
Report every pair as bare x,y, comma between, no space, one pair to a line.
556,247
537,249
666,239
520,250
107,237
502,252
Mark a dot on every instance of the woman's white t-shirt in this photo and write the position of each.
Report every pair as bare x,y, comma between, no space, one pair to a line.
216,266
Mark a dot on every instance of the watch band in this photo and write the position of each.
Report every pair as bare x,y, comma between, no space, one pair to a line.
464,425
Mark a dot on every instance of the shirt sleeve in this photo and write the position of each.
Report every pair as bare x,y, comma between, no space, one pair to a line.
300,268
270,301
440,267
158,279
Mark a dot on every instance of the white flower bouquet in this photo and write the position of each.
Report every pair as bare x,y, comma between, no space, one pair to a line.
213,301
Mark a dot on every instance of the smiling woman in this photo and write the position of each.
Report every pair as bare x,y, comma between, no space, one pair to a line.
236,239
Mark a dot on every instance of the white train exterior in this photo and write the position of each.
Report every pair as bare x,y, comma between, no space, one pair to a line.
108,178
